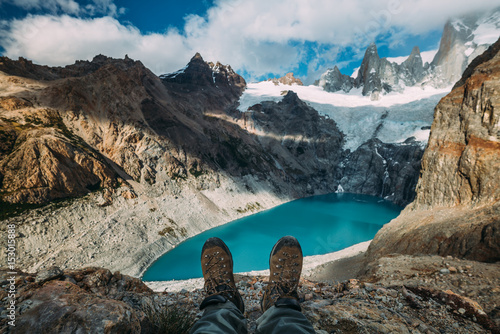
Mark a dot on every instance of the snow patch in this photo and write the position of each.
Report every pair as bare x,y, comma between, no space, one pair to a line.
268,91
488,30
469,51
355,72
397,60
427,57
173,74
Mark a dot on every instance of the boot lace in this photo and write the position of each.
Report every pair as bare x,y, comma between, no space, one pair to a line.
217,283
284,282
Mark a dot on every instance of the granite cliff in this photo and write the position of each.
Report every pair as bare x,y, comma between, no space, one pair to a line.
457,210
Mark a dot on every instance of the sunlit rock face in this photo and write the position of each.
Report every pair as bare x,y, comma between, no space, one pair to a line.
457,210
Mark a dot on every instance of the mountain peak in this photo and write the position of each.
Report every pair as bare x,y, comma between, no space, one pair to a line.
287,79
415,57
291,97
415,51
372,49
196,57
199,73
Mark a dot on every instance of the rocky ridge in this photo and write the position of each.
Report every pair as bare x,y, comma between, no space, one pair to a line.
377,76
287,79
48,162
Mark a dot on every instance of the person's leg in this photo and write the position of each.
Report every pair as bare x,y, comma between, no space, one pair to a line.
221,318
283,320
223,306
282,312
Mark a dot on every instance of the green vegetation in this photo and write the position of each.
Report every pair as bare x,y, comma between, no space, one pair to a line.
177,176
171,230
169,319
33,120
168,230
249,207
195,173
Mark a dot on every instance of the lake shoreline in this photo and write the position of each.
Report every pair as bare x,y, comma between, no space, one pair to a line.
312,265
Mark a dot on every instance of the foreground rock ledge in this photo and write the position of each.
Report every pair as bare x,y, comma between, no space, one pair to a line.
93,300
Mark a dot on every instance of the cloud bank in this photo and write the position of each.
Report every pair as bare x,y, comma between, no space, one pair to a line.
256,37
93,7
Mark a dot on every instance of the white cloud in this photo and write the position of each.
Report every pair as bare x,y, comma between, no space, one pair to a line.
257,37
66,6
94,7
103,6
60,40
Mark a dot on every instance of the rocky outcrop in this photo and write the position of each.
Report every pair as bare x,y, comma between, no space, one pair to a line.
400,295
44,161
334,81
90,300
385,170
463,39
413,70
450,58
288,79
377,75
199,73
464,146
305,145
373,71
456,210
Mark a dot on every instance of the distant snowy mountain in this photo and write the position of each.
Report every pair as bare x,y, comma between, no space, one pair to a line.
463,39
388,101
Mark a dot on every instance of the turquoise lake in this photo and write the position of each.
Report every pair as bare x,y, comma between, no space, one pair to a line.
322,224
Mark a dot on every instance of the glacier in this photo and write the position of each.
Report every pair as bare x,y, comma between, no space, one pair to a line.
393,119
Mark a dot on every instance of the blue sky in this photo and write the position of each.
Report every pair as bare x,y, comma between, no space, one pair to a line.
258,38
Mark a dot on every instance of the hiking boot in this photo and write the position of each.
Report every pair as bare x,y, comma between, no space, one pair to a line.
217,268
285,266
